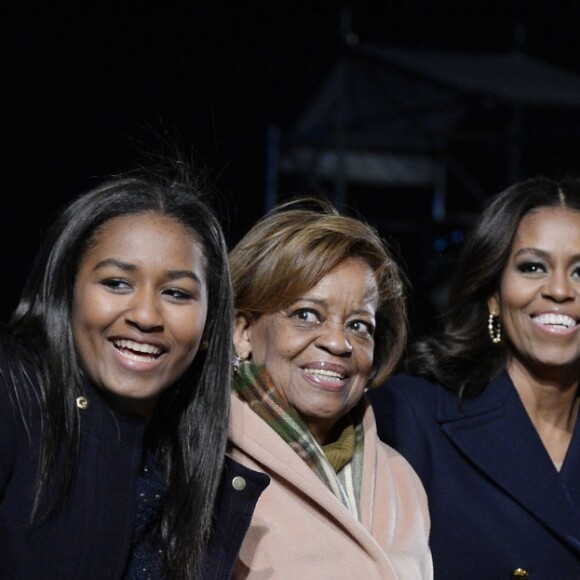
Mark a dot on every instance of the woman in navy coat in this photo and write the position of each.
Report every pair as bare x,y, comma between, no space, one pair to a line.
114,395
488,414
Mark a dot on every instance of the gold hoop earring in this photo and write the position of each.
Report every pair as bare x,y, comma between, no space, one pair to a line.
494,328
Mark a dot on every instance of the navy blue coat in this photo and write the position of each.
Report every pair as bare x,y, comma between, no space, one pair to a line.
90,537
497,502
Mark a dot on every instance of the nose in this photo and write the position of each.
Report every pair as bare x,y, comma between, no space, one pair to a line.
334,339
144,311
558,287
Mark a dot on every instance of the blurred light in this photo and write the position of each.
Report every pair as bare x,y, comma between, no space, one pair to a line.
440,244
457,236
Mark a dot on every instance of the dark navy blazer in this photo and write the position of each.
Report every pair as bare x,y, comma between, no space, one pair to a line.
497,502
89,538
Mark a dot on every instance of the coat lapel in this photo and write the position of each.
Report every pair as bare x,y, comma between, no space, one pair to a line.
494,432
570,472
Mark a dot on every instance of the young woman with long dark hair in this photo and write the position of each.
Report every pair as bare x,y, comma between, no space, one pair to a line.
115,392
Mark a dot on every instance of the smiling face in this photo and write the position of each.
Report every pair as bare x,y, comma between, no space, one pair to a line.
539,296
319,350
139,308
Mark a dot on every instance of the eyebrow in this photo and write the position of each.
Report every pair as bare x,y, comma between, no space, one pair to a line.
534,251
325,304
127,267
541,254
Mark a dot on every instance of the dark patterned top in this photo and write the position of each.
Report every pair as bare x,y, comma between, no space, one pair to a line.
145,561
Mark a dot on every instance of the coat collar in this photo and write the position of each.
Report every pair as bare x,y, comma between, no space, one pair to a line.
494,432
98,418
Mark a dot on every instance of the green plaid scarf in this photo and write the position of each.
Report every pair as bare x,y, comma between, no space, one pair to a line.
254,386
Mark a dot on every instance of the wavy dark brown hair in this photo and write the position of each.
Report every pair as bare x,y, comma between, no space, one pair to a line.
462,356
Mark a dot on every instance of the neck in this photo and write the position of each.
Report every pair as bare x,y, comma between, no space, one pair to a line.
319,429
544,389
550,397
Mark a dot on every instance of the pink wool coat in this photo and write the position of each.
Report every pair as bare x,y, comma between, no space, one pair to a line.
300,530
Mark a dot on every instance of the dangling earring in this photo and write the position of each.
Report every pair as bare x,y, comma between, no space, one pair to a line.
494,328
236,362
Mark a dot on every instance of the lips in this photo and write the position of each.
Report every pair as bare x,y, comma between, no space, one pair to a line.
325,374
555,320
137,351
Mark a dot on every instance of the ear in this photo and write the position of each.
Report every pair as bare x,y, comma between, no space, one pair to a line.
243,335
493,304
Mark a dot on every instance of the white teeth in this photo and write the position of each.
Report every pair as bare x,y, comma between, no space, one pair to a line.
555,320
325,373
138,357
130,349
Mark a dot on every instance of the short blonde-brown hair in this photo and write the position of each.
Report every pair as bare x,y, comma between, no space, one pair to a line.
294,246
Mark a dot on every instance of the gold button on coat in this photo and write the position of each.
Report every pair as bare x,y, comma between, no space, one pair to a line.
520,573
239,483
82,402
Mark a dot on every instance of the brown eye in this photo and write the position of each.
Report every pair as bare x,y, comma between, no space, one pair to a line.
362,327
531,267
116,285
177,295
306,315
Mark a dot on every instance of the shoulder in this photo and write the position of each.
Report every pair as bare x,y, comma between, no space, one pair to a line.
19,385
408,492
238,477
405,381
407,479
400,467
405,389
19,413
389,459
406,410
239,491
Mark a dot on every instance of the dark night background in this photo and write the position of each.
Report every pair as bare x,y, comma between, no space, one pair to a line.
84,82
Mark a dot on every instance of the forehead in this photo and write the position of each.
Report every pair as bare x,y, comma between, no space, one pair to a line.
150,220
149,236
151,224
548,226
353,278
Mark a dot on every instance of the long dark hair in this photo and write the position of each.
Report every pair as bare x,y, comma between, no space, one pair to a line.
462,357
188,430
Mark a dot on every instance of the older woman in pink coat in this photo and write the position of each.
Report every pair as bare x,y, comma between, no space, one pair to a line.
320,318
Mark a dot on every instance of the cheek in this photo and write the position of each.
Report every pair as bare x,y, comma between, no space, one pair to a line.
285,346
93,315
84,339
188,330
82,320
365,359
267,343
516,294
92,308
